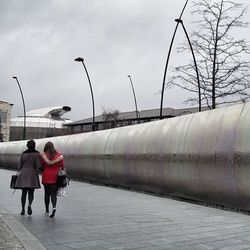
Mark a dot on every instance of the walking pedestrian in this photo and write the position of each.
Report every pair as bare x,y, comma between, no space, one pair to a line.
28,179
52,161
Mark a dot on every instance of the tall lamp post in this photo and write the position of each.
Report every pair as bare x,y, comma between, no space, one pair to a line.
79,59
168,57
1,139
24,110
195,64
136,110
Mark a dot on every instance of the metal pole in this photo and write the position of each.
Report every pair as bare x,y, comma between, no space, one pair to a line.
79,59
24,110
1,139
166,66
195,64
136,110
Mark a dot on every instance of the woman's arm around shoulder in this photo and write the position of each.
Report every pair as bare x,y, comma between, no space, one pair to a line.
51,162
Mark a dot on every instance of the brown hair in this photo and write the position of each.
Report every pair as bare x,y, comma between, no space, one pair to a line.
50,149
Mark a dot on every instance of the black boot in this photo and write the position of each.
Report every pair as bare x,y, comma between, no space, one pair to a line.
29,210
53,213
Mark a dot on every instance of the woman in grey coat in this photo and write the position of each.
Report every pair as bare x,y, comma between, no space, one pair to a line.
28,179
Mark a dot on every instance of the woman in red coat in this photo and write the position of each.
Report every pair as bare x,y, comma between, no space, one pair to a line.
52,161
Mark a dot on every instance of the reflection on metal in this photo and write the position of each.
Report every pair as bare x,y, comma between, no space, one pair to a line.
202,156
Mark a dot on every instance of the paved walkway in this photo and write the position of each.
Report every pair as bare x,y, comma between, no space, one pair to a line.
7,239
99,218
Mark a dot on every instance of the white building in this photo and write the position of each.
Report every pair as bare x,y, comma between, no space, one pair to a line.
40,123
5,112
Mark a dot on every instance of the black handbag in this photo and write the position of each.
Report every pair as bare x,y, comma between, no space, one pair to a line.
62,179
13,181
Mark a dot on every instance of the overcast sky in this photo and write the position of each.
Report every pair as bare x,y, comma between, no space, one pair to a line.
40,39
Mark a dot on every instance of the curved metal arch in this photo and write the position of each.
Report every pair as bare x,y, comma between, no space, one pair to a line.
168,57
132,86
195,63
24,108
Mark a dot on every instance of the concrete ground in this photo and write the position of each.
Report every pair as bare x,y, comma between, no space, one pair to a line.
7,239
95,217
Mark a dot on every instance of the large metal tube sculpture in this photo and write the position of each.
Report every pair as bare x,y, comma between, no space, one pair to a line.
203,156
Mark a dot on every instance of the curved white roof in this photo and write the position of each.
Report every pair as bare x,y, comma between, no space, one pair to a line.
45,117
49,111
38,122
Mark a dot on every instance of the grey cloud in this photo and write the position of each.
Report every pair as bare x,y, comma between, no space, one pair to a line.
40,39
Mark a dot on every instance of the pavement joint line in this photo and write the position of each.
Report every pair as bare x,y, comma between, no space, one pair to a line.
27,239
99,218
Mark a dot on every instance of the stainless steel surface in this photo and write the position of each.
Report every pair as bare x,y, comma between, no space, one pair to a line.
203,156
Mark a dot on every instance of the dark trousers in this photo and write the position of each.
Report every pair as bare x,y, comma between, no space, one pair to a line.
30,192
50,194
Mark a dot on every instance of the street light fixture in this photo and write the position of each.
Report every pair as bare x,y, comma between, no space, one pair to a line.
195,64
24,110
168,57
79,59
136,110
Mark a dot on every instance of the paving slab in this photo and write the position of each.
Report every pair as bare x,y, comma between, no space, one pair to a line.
8,240
99,217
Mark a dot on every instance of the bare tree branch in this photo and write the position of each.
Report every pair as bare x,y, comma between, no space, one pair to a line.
223,67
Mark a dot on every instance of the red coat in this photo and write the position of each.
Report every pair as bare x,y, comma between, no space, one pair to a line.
50,172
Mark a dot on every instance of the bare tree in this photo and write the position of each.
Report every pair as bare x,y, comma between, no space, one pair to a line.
110,117
221,55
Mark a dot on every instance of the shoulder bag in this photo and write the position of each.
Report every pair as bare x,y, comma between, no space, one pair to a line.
13,181
62,179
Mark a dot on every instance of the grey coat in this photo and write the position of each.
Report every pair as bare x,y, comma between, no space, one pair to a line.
28,167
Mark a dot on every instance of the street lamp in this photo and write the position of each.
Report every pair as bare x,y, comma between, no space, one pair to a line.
1,137
195,64
79,59
24,110
136,110
168,57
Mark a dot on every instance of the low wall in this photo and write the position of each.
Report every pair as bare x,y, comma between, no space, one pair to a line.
203,156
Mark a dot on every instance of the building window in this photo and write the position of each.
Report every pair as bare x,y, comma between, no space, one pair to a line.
3,117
